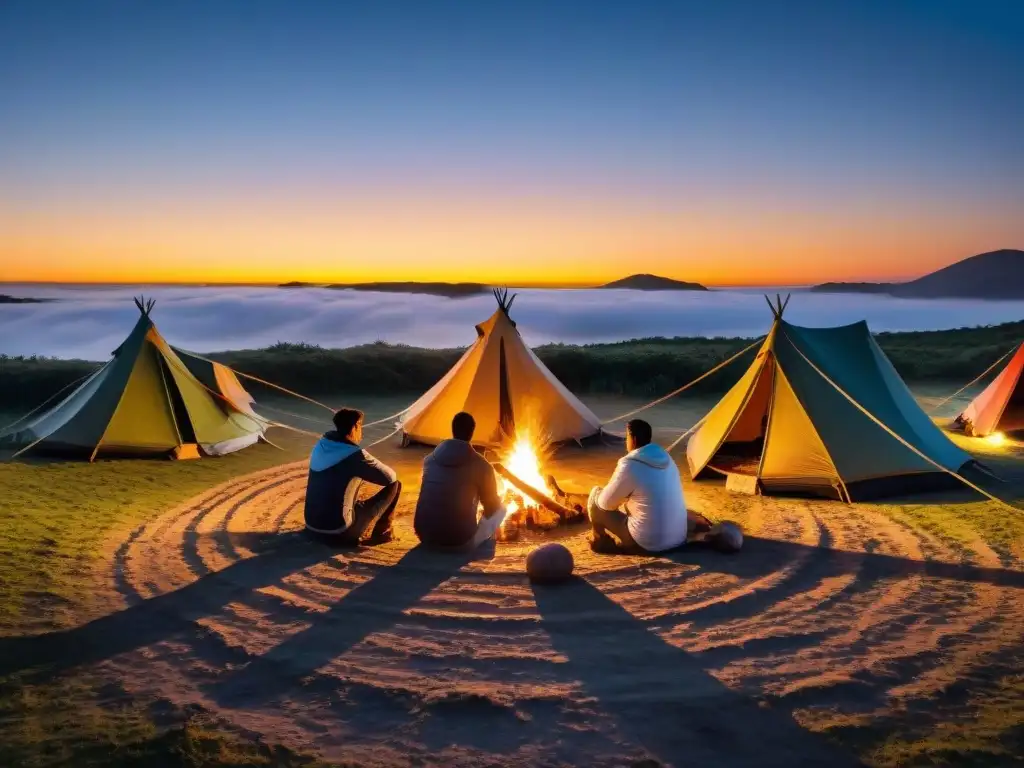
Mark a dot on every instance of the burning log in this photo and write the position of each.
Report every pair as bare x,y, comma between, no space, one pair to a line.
564,513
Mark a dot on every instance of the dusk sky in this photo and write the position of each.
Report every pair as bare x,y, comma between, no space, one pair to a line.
735,143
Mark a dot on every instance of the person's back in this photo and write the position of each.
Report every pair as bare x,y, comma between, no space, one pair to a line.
456,482
646,483
656,508
337,468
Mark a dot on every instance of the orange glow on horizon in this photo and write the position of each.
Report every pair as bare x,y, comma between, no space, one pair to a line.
516,242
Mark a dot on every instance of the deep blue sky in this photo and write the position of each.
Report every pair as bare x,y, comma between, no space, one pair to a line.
427,136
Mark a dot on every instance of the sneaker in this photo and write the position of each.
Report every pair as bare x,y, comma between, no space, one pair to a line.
604,544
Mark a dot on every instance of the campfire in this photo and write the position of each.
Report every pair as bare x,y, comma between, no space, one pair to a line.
527,495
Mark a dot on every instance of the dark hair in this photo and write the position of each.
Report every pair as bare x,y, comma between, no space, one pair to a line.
463,426
640,430
345,420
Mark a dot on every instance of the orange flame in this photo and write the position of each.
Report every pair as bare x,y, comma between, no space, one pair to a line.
523,461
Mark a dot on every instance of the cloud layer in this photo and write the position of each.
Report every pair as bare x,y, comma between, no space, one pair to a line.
89,322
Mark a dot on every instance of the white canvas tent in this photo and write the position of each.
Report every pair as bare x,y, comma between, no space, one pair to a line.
505,386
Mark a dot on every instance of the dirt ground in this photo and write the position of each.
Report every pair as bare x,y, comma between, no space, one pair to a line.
834,624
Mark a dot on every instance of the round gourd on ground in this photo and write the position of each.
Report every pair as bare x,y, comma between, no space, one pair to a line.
549,563
726,536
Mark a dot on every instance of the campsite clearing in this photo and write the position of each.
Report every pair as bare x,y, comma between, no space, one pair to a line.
893,630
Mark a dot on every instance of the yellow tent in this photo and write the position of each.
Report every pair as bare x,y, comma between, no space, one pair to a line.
143,402
505,386
218,378
786,427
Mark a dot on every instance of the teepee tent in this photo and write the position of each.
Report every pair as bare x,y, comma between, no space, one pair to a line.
785,427
1000,407
218,378
505,386
143,402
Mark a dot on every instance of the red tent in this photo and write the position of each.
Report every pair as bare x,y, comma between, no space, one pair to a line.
1000,408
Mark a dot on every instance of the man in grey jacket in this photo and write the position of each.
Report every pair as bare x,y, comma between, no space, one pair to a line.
337,467
456,481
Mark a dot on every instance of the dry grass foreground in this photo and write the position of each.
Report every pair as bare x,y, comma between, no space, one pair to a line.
892,632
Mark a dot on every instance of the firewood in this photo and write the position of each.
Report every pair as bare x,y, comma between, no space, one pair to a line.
536,495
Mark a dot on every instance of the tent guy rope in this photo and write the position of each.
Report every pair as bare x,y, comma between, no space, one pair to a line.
973,381
276,423
287,391
50,399
686,386
687,433
299,416
235,410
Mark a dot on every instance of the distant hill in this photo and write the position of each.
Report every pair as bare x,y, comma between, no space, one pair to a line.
646,282
993,275
449,290
854,287
5,299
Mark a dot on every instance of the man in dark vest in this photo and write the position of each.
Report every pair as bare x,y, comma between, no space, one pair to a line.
337,467
456,482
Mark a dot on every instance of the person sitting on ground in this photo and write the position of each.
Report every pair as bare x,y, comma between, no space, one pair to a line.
646,484
456,482
337,467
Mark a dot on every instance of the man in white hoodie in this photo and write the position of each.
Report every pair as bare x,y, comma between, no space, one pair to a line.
646,485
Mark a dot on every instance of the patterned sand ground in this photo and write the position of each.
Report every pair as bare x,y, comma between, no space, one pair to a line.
835,621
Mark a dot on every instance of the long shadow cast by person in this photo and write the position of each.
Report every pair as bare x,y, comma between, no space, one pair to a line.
164,616
801,567
371,607
761,555
660,695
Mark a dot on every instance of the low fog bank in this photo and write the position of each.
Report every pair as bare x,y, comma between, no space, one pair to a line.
88,322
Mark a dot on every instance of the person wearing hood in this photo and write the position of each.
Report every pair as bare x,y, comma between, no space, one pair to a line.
337,467
646,485
456,482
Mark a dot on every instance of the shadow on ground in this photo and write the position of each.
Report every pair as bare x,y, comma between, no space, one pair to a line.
709,725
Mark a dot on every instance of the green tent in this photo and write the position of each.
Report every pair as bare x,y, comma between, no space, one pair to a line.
786,428
144,402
